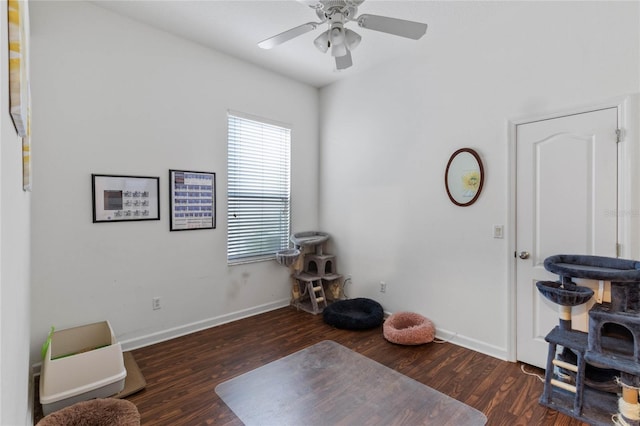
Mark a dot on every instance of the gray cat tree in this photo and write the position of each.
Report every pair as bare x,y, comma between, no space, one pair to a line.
604,364
314,279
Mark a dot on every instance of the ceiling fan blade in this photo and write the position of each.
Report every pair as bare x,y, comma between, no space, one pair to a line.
343,62
399,27
288,35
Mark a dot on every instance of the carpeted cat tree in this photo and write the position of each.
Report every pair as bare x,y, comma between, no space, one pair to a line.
609,352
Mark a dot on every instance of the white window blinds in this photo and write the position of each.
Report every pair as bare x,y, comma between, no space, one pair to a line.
258,212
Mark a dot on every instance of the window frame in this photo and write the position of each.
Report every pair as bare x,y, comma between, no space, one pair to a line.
247,192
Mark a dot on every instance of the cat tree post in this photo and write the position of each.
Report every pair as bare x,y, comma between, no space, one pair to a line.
628,406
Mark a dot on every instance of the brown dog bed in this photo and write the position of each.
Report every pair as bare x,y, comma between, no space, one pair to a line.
96,412
408,328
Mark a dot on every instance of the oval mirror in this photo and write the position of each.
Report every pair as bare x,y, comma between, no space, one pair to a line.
464,177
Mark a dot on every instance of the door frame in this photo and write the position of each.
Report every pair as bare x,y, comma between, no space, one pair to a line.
628,109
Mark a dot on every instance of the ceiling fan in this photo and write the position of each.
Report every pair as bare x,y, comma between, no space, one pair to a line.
341,40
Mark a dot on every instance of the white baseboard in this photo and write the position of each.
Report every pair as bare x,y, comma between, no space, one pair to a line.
172,333
30,404
473,344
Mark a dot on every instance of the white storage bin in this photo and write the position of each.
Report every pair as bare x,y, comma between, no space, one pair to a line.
81,363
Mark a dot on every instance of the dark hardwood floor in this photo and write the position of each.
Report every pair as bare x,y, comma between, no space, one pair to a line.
182,373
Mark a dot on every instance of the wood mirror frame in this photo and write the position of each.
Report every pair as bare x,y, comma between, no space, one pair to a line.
464,177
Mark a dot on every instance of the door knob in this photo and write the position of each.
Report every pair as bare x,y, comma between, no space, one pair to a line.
524,255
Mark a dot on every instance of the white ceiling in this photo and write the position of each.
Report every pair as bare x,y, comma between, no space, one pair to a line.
236,26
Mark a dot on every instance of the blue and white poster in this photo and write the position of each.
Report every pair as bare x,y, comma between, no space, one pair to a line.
192,196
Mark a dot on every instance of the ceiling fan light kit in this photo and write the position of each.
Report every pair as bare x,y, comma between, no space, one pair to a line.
352,39
322,42
342,40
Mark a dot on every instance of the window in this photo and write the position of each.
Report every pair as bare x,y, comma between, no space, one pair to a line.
258,173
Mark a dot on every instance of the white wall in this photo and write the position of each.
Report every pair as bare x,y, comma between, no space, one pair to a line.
114,96
386,137
15,371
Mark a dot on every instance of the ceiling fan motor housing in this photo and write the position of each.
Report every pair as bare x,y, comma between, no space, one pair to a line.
325,9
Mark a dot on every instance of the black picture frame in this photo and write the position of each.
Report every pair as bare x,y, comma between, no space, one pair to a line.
120,198
192,200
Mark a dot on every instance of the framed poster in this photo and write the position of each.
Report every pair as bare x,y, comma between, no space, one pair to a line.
125,198
192,199
18,15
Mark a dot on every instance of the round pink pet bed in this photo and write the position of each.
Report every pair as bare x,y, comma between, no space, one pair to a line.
408,328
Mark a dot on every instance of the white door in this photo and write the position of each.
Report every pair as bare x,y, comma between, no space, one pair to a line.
566,203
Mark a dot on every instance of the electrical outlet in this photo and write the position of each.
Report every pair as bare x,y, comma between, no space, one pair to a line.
155,303
383,287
